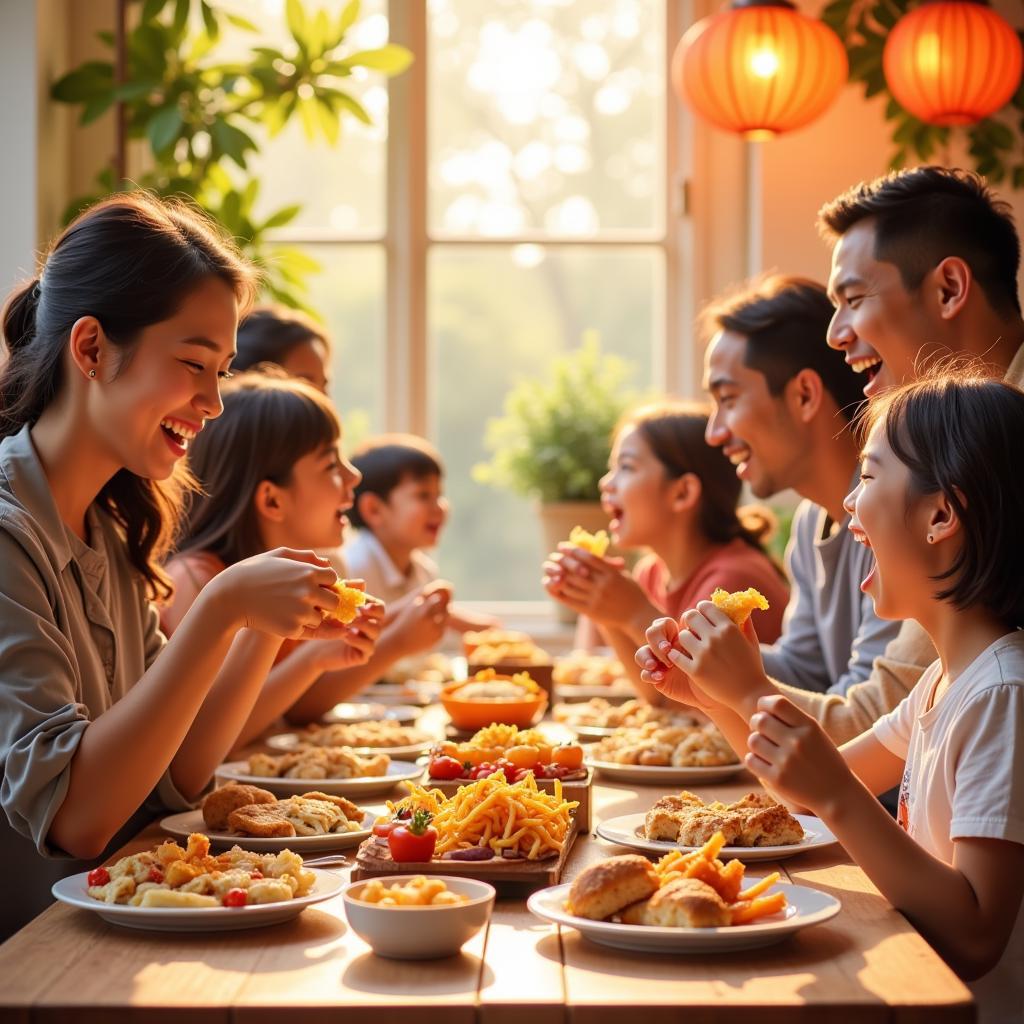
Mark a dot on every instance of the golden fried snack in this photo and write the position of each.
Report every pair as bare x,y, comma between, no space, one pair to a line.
349,601
595,543
686,903
264,821
611,885
218,805
351,811
740,603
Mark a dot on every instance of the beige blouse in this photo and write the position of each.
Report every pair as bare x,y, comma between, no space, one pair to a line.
76,633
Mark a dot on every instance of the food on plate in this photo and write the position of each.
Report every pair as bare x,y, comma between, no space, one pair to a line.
434,667
169,876
383,733
678,746
515,820
417,892
604,715
319,763
595,543
350,599
693,890
311,814
487,685
754,820
413,839
581,668
740,603
607,887
497,646
218,805
507,749
491,637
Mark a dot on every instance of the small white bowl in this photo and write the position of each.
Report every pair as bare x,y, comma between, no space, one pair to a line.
420,933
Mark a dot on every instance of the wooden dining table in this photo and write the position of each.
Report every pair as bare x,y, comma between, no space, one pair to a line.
867,964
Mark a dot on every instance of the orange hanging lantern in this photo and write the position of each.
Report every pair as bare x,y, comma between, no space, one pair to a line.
952,62
759,68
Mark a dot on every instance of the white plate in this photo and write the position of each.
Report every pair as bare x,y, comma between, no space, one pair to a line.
72,890
398,771
181,826
622,830
353,713
614,693
288,741
646,774
806,907
414,691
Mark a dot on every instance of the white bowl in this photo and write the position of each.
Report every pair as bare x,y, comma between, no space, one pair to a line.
420,933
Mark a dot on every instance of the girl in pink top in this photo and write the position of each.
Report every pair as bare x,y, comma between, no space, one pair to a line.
667,491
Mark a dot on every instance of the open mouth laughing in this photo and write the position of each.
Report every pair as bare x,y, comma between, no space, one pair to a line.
179,434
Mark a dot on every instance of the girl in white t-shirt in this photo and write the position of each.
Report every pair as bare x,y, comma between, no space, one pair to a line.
940,503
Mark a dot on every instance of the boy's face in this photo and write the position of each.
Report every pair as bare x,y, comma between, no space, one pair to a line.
752,426
880,326
414,513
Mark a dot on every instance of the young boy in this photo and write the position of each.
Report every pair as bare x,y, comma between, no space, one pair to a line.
399,511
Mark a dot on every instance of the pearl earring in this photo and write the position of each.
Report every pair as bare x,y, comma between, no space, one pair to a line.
92,373
931,539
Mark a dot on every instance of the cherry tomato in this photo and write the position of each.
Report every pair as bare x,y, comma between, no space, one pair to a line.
155,874
523,756
414,841
384,828
235,898
571,756
98,876
481,771
445,768
256,875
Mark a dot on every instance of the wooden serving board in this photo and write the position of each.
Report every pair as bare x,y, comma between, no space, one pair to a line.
373,860
579,789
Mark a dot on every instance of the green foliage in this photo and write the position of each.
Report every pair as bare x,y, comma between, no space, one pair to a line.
555,436
198,114
995,144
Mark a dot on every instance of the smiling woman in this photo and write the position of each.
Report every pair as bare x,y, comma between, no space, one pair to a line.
114,356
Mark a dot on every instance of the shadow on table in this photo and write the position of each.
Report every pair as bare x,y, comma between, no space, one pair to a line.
446,976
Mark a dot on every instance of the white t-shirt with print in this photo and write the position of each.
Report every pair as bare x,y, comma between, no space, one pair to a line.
964,778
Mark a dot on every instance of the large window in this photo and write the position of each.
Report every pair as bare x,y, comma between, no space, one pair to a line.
510,199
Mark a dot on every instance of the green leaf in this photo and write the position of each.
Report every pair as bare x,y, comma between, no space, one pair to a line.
180,17
329,120
164,129
95,108
276,114
231,141
318,34
88,82
147,48
209,20
348,18
296,17
1018,176
281,217
392,59
239,22
308,116
106,37
352,105
151,8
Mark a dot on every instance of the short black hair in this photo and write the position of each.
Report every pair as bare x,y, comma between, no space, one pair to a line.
958,430
925,214
785,321
386,461
269,333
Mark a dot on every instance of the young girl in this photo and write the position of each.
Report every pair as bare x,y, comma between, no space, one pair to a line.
285,338
940,503
272,474
114,359
667,491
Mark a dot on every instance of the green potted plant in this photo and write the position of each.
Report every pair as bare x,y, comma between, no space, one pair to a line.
553,441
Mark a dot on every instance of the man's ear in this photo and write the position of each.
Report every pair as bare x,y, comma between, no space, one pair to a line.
686,492
267,501
804,395
90,349
370,507
950,283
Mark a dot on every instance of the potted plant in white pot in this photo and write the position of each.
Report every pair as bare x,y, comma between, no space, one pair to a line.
553,441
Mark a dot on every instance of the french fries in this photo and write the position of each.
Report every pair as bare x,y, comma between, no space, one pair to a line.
745,905
513,820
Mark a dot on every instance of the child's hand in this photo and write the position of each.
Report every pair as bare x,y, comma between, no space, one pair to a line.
791,753
657,670
422,622
281,592
723,660
595,586
358,640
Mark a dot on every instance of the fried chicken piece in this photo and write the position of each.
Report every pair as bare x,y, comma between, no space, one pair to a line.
771,826
262,820
218,805
698,824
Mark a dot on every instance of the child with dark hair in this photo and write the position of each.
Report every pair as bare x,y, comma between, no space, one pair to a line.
285,338
400,510
939,505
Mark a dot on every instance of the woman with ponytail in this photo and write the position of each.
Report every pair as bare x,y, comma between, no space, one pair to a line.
667,492
113,362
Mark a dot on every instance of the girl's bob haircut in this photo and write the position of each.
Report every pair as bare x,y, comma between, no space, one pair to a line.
959,431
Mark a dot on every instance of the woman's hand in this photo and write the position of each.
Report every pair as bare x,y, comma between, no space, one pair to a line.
720,658
792,755
597,587
658,670
282,592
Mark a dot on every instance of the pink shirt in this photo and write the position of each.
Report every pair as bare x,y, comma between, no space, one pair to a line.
733,566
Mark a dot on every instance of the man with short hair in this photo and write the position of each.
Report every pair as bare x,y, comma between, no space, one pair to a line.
783,402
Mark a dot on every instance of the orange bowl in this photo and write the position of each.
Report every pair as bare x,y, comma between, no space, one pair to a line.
472,714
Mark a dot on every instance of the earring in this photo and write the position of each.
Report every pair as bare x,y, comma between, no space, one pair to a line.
92,373
931,539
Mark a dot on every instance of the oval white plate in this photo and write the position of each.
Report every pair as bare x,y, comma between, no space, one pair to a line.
622,830
181,826
806,907
646,774
398,771
72,890
288,741
353,713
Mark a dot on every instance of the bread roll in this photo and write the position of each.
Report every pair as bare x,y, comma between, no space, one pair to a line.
605,888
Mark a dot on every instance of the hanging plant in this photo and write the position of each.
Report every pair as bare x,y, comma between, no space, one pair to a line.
198,113
995,144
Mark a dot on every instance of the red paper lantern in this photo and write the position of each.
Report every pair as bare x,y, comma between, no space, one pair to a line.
952,62
759,68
